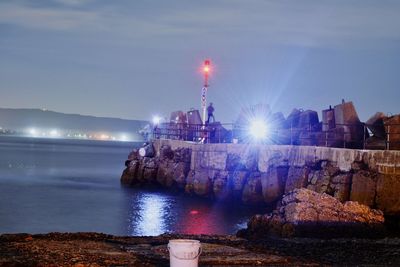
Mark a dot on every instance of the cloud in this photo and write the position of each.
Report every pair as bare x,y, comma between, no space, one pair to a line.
311,23
74,3
45,18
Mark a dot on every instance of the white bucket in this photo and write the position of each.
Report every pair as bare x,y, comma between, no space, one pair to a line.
184,252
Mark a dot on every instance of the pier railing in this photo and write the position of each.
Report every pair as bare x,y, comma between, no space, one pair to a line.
342,135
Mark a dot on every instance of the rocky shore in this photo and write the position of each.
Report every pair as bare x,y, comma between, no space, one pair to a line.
94,249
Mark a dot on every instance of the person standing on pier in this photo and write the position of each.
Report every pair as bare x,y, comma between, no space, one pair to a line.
210,112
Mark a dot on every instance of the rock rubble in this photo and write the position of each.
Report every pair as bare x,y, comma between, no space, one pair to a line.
306,213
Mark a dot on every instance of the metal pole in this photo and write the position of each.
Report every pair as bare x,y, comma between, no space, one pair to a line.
204,102
365,132
206,71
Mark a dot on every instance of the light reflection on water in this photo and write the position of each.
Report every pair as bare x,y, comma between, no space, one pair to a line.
150,219
75,187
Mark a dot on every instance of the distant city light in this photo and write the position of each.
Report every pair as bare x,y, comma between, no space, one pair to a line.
54,133
104,136
123,137
32,131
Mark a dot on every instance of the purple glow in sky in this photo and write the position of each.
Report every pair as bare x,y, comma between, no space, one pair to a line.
134,59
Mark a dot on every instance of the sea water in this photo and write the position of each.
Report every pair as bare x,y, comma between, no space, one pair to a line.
53,185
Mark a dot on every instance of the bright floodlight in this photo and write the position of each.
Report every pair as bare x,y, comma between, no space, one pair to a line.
258,129
156,120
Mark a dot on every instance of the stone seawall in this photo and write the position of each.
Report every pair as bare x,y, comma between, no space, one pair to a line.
261,174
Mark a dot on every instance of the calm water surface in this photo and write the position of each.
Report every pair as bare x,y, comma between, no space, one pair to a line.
69,186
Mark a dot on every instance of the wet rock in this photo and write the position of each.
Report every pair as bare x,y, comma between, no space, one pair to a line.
202,183
180,172
221,187
182,155
129,175
166,153
189,188
165,172
134,155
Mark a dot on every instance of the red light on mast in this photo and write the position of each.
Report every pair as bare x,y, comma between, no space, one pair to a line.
206,67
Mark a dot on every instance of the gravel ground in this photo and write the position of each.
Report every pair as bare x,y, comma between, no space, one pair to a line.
93,249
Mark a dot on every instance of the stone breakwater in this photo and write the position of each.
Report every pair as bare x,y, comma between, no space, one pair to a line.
262,174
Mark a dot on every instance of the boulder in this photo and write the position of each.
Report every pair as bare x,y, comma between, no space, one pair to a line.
340,185
305,213
363,187
346,117
252,191
237,180
392,126
292,120
149,173
179,173
273,183
147,150
134,155
376,126
182,155
234,162
165,172
166,153
297,178
129,175
189,182
387,193
277,120
308,119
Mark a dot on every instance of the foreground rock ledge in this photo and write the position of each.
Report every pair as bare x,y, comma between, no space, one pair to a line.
92,249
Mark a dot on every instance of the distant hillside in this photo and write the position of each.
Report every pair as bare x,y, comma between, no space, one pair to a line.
22,119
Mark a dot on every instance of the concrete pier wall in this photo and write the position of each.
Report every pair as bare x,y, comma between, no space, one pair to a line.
261,174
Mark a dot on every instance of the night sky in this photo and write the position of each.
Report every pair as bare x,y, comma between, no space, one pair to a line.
132,59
